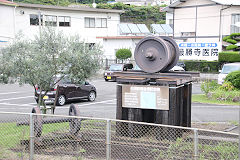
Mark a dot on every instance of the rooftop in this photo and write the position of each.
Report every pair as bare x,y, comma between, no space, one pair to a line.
79,8
220,2
5,2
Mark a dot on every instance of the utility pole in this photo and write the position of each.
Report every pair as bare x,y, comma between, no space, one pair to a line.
39,21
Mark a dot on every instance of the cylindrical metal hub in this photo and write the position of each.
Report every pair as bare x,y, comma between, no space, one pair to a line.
156,54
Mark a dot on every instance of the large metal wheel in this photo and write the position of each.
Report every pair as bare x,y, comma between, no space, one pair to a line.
61,100
156,54
75,123
175,49
37,121
92,96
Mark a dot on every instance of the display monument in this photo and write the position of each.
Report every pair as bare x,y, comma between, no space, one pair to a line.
154,94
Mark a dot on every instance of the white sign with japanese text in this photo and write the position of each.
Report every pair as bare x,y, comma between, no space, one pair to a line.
199,51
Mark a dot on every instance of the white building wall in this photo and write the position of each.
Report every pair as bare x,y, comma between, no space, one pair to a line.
112,45
22,22
6,24
195,2
184,21
207,22
169,18
227,19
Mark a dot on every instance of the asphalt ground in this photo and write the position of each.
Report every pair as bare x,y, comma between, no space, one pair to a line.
20,99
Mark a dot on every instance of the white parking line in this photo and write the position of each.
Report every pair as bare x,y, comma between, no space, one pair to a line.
15,98
11,104
13,109
11,93
90,103
111,101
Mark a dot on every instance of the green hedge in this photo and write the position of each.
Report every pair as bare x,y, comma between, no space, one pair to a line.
203,66
229,56
231,41
231,47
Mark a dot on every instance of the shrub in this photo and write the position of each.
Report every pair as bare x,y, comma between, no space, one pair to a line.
231,41
229,56
208,86
227,86
234,78
226,38
235,36
222,95
123,53
202,66
231,47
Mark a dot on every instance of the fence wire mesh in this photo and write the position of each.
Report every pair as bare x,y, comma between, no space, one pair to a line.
64,137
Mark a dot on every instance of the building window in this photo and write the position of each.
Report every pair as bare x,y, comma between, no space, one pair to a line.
34,19
101,22
50,20
188,34
89,22
90,45
64,21
235,19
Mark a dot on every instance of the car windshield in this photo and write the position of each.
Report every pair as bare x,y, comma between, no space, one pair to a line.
230,68
116,67
64,80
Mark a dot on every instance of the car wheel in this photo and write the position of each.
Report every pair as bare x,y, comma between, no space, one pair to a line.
61,100
106,79
92,96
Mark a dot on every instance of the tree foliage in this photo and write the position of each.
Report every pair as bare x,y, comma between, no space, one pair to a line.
37,61
123,54
134,14
61,2
137,14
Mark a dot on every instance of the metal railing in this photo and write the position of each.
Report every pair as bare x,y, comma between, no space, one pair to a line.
69,137
106,63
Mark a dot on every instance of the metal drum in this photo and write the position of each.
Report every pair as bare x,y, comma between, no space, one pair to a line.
156,54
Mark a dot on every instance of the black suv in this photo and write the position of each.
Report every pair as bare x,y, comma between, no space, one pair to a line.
108,75
68,91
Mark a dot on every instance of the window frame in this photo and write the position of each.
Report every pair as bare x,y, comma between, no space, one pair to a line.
101,22
51,22
234,18
37,17
88,25
64,22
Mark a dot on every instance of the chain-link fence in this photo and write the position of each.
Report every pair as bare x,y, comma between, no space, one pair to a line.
31,136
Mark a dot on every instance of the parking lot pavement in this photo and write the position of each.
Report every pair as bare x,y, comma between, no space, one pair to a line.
20,99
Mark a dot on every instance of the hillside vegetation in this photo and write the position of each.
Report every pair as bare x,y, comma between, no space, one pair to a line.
133,14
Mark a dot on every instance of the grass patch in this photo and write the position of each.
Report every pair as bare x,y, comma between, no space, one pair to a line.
11,134
201,98
235,123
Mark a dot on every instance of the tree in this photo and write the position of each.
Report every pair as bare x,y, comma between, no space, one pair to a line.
123,54
37,61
